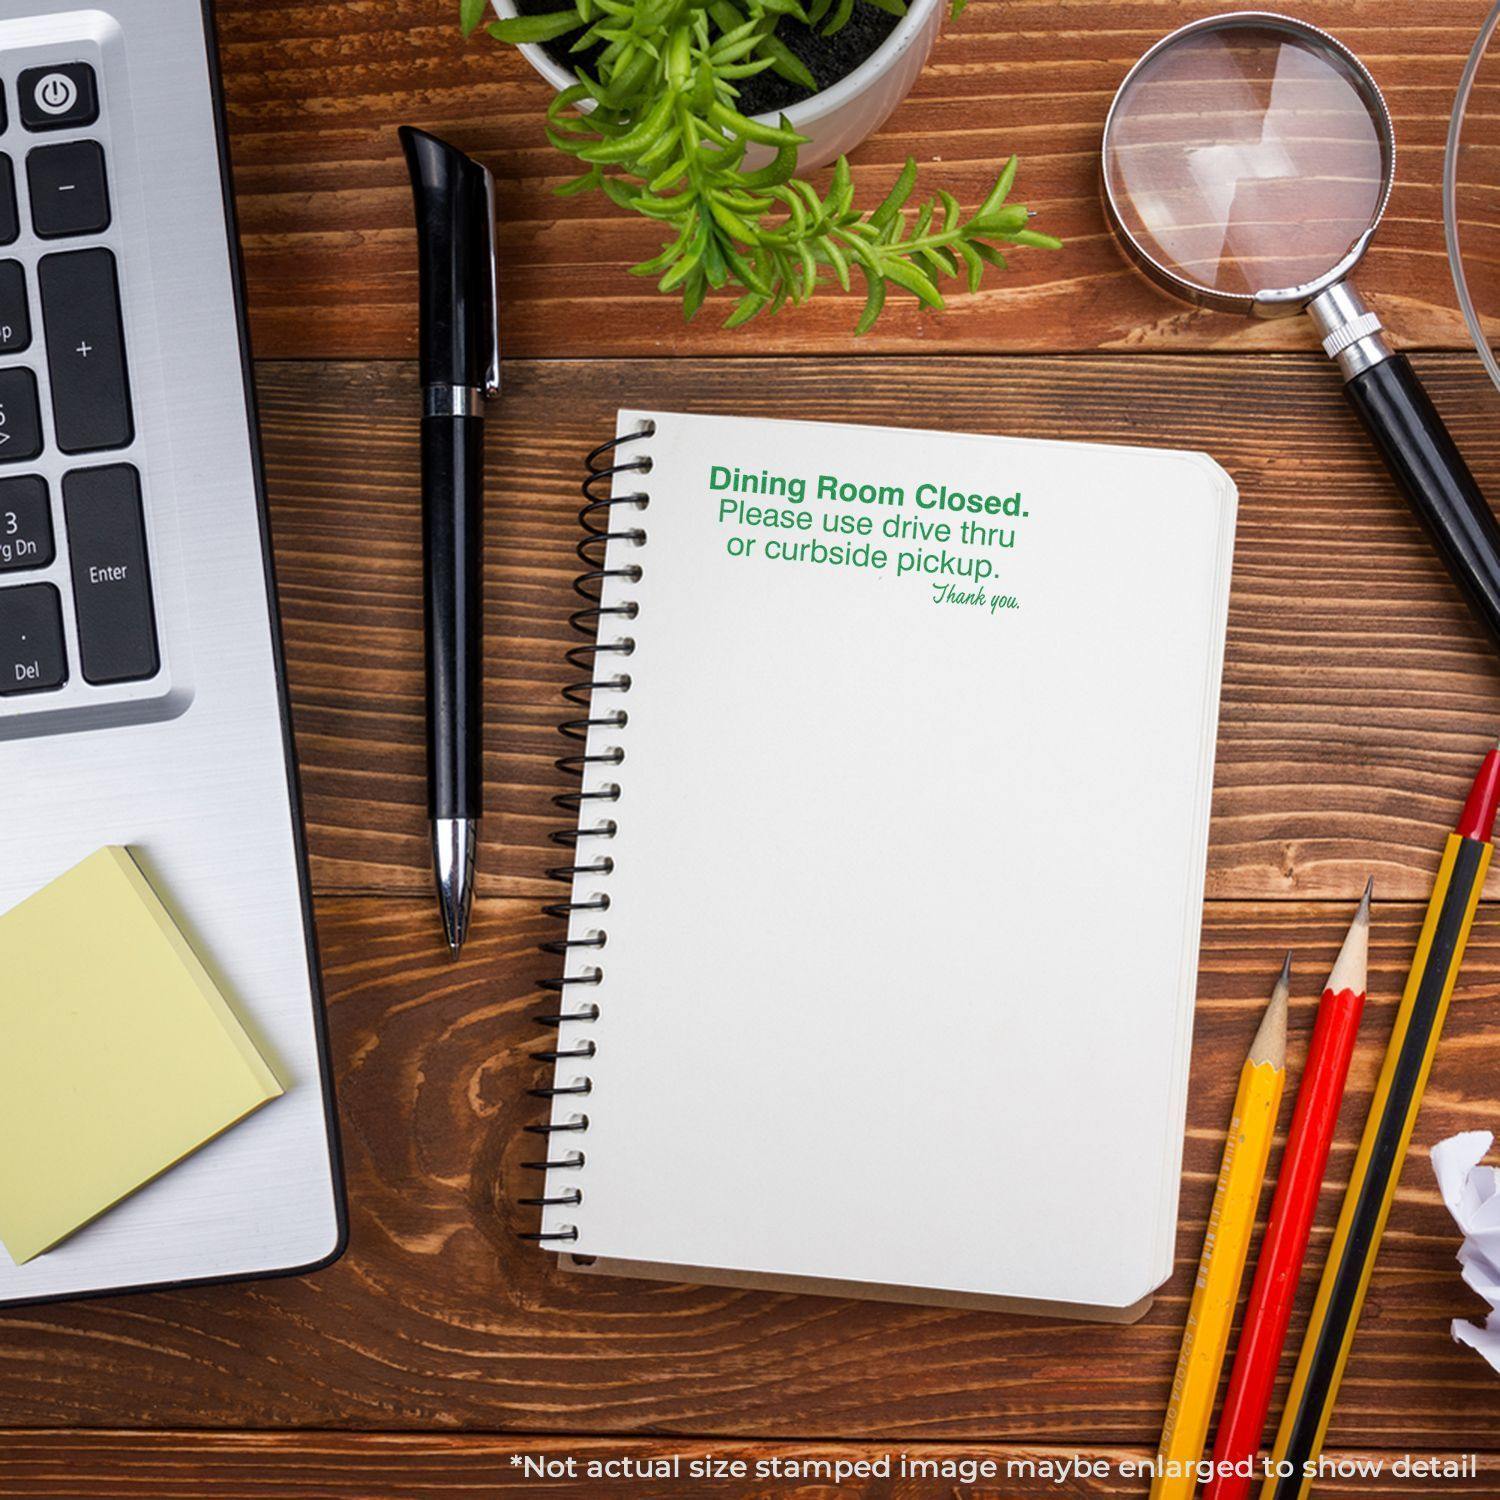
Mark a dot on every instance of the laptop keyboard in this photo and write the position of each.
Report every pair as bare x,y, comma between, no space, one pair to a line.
76,599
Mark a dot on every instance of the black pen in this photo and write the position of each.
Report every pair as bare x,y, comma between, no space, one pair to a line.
460,358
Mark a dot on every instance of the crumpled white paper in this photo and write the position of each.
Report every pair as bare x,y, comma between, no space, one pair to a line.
1472,1193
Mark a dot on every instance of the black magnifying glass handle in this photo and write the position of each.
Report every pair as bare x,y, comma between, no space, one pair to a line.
1417,448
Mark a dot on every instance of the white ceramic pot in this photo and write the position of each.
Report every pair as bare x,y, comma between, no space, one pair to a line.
838,119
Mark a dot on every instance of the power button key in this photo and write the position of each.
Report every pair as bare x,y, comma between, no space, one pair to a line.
58,97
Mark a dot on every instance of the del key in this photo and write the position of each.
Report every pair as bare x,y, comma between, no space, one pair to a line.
86,351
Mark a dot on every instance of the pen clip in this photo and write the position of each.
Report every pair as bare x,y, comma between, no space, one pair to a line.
492,374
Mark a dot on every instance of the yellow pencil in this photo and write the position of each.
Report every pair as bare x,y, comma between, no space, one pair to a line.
1225,1248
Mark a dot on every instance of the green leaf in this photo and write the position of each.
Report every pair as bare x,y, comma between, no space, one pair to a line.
669,176
1001,190
777,171
841,15
745,309
895,200
1006,220
941,261
786,62
693,293
838,262
743,203
809,270
621,193
904,274
743,268
541,28
629,78
679,58
873,304
970,257
1036,240
732,224
810,197
746,70
957,9
727,48
636,140
567,99
713,261
659,150
840,190
576,185
470,14
752,130
668,255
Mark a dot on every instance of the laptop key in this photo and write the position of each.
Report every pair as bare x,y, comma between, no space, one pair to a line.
69,192
10,214
111,574
25,524
20,417
58,96
86,351
33,658
15,312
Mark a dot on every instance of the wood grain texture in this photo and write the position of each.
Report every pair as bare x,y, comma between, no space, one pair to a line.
438,1318
1358,695
316,90
391,1466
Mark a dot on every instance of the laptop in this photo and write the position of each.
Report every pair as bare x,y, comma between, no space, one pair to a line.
142,690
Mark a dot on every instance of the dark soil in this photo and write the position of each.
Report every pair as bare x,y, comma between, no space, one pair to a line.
827,58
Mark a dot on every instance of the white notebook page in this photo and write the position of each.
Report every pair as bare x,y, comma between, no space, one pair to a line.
904,915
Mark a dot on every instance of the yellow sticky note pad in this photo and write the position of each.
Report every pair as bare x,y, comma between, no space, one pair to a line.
119,1056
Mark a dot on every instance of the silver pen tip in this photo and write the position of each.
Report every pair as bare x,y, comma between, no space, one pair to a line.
455,926
454,844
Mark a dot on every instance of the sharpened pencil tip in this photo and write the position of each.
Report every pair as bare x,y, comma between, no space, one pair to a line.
1269,1045
1351,967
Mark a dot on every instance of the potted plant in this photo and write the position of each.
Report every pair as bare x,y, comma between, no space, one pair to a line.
695,113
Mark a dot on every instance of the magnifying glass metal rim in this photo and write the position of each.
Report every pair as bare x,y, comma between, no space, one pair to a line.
1271,302
1451,165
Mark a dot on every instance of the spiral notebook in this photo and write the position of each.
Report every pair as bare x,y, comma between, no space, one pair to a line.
896,763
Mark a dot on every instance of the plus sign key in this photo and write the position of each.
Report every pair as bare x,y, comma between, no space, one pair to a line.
86,351
32,656
58,96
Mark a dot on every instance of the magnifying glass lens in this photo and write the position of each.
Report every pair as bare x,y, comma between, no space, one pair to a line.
1246,159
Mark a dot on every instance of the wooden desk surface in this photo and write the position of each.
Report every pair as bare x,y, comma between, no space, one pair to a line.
1357,698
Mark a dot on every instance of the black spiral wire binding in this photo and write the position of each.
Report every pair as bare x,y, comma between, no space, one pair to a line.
596,518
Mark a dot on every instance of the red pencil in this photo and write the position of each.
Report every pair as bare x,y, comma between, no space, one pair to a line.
1279,1268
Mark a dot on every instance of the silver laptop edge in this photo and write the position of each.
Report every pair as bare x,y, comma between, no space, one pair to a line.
192,767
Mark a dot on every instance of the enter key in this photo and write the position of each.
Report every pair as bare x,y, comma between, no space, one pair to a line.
111,574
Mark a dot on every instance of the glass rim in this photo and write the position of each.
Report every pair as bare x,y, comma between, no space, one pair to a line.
1450,195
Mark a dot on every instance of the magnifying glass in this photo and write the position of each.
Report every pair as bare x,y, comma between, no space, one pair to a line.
1247,161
